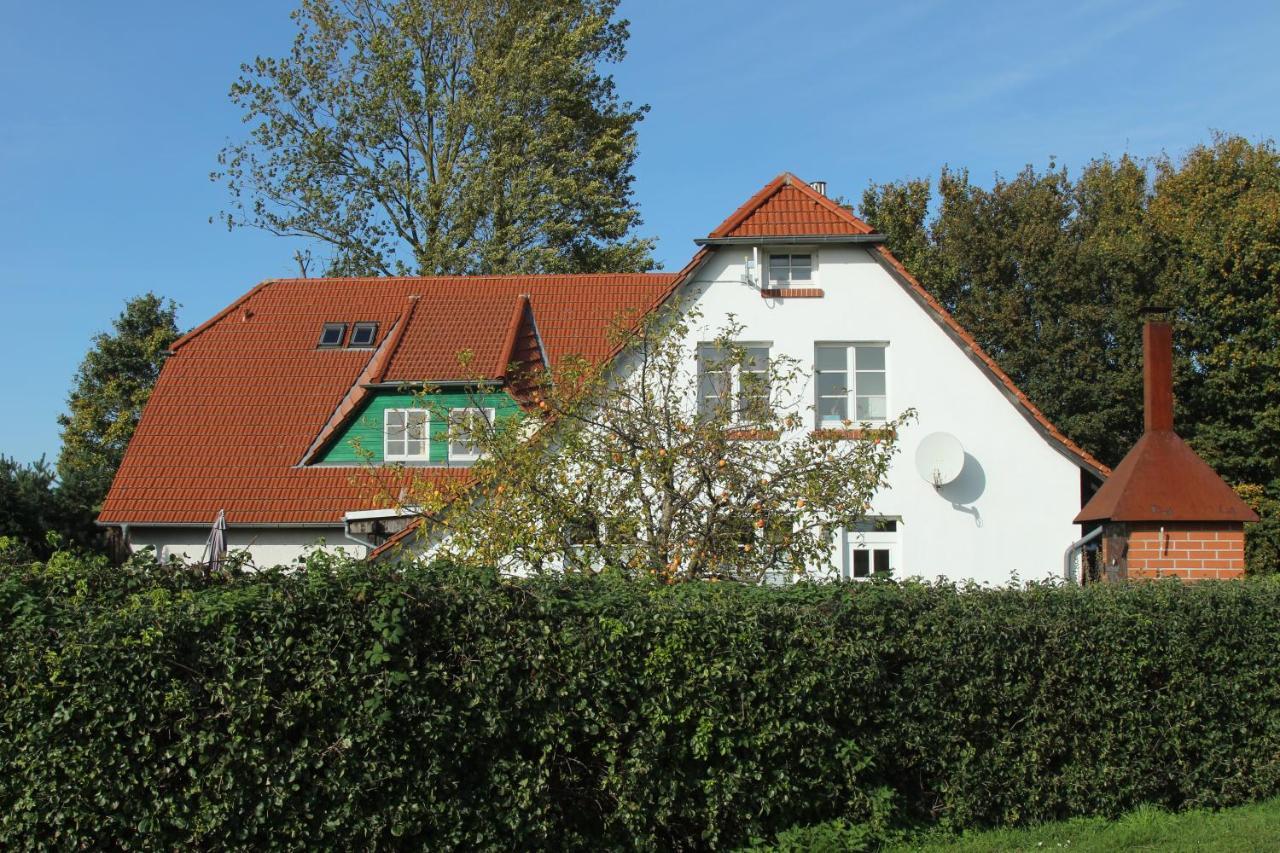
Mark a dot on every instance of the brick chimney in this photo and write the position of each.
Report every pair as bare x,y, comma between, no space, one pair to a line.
1164,511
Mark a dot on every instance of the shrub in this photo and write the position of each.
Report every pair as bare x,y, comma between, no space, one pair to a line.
389,706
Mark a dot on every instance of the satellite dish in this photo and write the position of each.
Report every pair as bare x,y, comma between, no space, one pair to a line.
939,458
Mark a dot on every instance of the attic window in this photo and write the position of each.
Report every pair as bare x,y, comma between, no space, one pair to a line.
791,268
331,335
362,334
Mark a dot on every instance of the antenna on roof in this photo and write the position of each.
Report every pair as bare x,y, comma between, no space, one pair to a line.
303,259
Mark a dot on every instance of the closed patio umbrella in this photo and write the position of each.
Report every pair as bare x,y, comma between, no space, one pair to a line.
216,548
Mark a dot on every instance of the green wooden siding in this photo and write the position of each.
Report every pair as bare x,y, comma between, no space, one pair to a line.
365,431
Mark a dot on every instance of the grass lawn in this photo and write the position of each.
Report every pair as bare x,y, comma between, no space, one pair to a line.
1247,828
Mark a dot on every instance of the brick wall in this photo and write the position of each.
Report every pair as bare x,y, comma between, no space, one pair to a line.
1192,551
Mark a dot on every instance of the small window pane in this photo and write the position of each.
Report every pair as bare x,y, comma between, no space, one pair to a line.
831,358
831,384
833,409
870,358
861,563
757,359
870,383
881,561
417,424
871,408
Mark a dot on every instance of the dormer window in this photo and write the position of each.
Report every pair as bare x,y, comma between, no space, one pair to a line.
790,269
363,335
463,423
405,435
331,335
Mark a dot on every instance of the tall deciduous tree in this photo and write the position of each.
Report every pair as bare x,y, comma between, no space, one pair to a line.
443,137
1050,274
113,384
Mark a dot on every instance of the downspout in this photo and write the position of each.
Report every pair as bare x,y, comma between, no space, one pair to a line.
346,533
1069,557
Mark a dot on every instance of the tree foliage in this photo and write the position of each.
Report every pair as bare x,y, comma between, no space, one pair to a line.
111,387
29,506
619,466
443,137
1050,272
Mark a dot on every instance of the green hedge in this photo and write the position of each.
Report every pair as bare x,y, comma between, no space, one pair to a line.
383,707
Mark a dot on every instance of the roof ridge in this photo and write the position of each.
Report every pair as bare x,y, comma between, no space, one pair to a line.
395,337
477,278
509,341
777,185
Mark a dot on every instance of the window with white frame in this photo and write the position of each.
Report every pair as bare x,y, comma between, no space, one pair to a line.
872,548
850,383
404,435
462,424
743,386
790,269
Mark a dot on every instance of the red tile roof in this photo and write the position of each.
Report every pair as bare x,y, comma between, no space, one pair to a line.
245,394
789,207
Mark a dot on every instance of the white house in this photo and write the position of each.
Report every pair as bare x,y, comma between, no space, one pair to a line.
278,409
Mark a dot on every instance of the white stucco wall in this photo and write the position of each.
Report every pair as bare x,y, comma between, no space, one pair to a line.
1011,508
267,546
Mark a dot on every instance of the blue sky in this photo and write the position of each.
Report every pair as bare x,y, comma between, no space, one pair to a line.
113,115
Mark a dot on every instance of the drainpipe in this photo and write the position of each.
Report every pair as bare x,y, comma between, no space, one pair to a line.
346,533
1069,557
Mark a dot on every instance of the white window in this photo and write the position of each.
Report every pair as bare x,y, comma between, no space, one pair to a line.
462,423
790,269
744,387
404,435
849,383
872,548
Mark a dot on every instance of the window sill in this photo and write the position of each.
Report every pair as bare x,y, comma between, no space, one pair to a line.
752,434
873,434
791,293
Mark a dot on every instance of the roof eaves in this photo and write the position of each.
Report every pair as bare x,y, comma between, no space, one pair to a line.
394,541
943,317
695,263
751,205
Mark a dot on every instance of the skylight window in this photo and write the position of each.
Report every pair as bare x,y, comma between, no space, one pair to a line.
362,334
331,335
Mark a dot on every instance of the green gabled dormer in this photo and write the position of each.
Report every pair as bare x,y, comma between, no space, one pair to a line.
400,408
398,426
